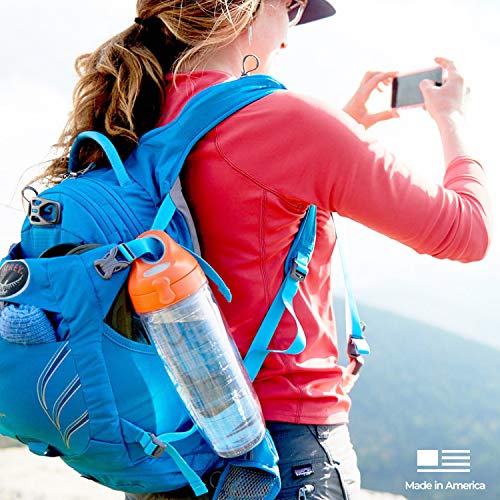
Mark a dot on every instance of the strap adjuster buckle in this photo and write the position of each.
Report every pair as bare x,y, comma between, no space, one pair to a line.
110,264
298,271
355,349
160,446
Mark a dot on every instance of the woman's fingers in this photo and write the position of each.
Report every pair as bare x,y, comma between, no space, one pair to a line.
442,101
379,77
357,106
426,85
368,76
447,64
373,80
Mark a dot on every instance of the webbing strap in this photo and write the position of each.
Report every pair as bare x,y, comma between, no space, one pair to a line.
156,445
356,343
153,249
195,481
259,349
164,214
142,247
211,274
162,220
296,269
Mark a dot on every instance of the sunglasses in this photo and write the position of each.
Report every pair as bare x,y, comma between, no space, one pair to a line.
295,11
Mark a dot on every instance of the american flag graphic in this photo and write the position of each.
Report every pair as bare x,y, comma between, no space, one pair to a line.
443,460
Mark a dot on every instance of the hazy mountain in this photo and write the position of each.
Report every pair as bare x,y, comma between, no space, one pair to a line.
425,388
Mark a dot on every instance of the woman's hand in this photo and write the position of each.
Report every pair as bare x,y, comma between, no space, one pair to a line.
446,105
357,108
445,102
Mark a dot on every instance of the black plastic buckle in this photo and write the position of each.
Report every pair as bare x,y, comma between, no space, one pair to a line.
360,361
298,272
110,264
354,355
160,446
43,212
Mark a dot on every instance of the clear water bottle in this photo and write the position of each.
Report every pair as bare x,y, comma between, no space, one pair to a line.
183,321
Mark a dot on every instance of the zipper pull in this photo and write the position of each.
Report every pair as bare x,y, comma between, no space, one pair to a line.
79,173
307,488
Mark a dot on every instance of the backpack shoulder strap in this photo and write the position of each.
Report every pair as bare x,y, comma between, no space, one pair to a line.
171,143
357,345
295,271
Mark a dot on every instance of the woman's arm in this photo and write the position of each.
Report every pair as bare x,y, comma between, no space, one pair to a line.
306,152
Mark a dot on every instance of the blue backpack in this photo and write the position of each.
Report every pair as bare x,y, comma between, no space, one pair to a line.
71,385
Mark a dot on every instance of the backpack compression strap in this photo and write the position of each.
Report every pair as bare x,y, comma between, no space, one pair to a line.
295,272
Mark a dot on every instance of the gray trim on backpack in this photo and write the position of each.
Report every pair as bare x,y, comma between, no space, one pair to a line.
182,206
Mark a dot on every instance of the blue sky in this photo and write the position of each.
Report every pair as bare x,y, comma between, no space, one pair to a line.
41,40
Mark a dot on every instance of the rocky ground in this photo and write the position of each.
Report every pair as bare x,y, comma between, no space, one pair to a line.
24,476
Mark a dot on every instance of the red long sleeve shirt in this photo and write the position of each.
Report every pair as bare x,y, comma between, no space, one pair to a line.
248,183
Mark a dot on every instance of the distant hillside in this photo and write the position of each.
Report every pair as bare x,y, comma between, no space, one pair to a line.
425,388
6,442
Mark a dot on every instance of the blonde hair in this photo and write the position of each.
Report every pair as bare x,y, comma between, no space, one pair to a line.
121,87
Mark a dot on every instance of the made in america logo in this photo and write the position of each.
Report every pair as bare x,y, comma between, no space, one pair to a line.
440,461
445,462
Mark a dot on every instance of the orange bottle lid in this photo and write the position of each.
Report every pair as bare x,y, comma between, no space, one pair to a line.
176,275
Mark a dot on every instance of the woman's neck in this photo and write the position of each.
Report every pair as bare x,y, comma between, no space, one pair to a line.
226,59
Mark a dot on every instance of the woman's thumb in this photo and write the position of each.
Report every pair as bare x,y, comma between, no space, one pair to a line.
425,85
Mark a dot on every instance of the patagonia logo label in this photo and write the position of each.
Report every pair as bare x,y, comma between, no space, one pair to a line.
302,471
14,278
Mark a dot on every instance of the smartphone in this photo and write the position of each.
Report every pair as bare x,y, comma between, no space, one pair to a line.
405,90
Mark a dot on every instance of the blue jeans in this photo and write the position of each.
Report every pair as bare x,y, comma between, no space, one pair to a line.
317,462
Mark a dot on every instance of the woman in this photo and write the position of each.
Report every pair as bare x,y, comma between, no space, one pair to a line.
263,167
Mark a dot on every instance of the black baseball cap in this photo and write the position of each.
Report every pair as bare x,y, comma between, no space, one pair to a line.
317,9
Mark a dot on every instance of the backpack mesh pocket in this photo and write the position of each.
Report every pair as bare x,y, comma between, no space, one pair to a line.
243,483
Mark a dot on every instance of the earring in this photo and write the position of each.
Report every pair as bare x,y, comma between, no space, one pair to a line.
244,71
250,34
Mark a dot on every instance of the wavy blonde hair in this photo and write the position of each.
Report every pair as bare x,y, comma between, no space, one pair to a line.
121,87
